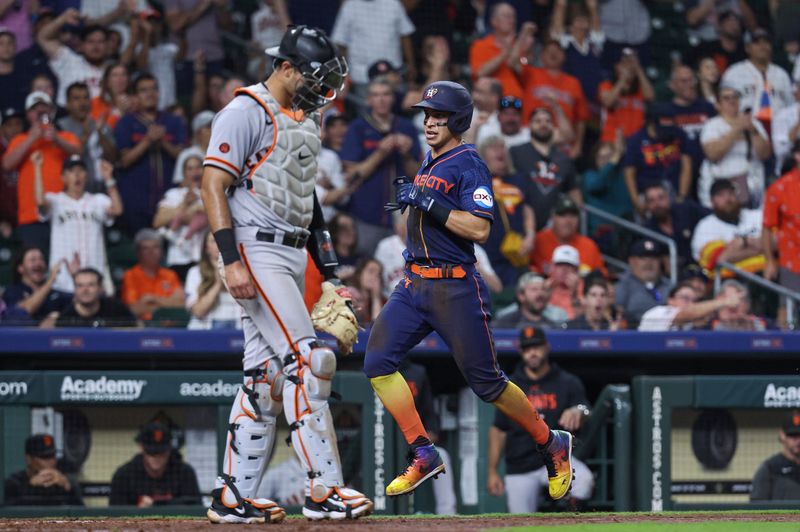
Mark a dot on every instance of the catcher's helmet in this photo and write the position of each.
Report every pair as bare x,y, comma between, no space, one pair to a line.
452,98
311,52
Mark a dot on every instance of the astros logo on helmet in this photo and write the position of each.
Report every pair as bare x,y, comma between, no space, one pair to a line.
452,98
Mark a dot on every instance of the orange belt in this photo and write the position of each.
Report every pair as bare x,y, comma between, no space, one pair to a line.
448,271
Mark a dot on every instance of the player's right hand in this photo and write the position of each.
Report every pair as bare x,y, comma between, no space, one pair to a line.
402,188
240,285
494,484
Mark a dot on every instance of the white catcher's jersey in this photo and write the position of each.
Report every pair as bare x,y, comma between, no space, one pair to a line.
273,154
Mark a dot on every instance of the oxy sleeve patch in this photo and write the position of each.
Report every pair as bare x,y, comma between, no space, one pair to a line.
482,197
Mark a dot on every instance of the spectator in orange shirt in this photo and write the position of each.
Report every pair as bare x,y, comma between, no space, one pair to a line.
489,55
564,231
114,99
623,98
550,87
782,223
55,147
147,286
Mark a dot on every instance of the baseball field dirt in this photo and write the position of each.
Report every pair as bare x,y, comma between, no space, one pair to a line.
590,522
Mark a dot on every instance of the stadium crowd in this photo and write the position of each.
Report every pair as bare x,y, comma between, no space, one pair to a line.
107,108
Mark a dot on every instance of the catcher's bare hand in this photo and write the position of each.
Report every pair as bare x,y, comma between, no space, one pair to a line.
240,285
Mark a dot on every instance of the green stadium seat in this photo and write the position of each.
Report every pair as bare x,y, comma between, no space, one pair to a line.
121,254
8,249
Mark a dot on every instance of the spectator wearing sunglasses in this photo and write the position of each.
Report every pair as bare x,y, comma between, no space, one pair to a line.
509,125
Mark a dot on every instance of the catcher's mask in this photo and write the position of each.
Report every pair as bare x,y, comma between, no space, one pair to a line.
311,52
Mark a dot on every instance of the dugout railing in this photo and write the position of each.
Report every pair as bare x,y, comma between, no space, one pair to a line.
672,249
605,445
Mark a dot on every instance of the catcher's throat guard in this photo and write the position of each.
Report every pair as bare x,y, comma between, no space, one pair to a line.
325,251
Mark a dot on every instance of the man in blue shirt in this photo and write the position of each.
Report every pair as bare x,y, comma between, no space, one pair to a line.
655,153
31,297
674,220
149,141
378,148
451,206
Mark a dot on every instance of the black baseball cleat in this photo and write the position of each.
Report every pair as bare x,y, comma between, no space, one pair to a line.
243,511
337,503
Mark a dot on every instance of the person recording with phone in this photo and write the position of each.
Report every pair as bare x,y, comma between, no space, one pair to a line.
55,146
735,145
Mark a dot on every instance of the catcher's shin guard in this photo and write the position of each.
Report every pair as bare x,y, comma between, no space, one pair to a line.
307,389
251,429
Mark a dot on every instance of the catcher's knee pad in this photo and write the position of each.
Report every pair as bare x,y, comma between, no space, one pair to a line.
265,392
317,374
251,427
306,389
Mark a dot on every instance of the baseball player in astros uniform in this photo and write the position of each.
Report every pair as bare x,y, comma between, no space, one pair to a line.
451,206
258,189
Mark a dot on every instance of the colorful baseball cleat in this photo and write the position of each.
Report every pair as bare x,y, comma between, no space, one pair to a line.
424,463
227,508
336,503
558,461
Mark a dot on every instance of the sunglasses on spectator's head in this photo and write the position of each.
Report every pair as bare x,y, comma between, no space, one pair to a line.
509,101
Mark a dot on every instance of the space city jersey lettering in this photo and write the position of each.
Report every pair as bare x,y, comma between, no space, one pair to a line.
459,180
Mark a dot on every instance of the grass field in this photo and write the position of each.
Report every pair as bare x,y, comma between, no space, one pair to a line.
643,526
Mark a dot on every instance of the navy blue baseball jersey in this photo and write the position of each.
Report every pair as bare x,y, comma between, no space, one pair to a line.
459,180
458,309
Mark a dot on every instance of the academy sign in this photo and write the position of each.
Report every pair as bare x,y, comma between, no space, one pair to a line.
101,389
209,389
781,396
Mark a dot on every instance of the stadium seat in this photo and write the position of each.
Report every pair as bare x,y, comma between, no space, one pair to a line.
121,254
8,248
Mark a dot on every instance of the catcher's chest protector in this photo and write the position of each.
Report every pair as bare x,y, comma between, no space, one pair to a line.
284,178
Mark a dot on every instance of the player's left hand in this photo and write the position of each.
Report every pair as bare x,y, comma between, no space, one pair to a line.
419,198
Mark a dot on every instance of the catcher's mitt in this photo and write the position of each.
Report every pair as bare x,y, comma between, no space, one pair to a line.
333,314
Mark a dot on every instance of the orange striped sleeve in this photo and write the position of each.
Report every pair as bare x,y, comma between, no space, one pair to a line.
228,167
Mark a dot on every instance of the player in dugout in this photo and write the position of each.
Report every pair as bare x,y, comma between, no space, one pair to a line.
561,399
451,206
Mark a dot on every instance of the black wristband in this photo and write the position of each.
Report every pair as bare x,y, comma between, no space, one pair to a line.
226,242
439,212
